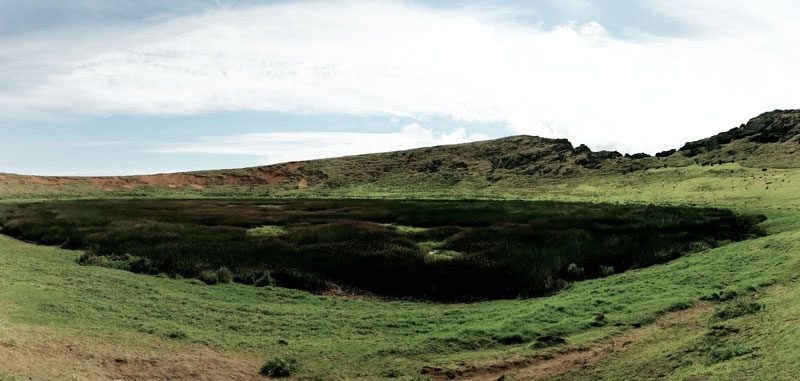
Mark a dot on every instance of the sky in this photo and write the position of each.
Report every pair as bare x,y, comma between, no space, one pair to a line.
109,87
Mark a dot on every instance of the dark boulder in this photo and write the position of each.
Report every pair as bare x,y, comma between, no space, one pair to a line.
666,153
581,149
594,160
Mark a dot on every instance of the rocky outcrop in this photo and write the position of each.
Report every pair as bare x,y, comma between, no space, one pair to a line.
770,127
666,153
594,160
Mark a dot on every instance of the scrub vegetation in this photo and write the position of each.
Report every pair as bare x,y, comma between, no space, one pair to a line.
440,250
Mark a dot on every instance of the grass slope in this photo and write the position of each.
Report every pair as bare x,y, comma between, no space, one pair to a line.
335,337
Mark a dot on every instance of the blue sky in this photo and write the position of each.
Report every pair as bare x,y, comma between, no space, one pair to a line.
124,87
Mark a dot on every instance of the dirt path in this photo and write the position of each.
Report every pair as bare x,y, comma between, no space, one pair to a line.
35,354
544,366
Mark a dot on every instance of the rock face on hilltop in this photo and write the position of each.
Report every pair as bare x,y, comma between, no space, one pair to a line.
777,126
771,139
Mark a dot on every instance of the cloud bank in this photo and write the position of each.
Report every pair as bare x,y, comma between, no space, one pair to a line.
278,147
400,59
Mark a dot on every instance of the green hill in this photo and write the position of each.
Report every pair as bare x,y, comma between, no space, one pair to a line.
488,167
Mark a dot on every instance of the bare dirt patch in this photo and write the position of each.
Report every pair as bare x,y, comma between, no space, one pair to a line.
39,180
168,180
275,174
173,180
288,173
542,366
270,177
109,183
33,354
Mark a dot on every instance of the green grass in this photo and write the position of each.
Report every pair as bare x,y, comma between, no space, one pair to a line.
340,337
756,345
406,229
267,230
333,337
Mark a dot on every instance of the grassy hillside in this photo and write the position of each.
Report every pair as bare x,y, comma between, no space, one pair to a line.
485,168
334,337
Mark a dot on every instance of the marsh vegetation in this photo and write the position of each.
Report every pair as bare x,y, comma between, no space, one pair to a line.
438,250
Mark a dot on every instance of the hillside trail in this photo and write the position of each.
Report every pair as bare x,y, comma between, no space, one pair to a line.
571,359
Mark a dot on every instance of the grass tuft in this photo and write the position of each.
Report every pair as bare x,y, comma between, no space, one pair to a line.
279,367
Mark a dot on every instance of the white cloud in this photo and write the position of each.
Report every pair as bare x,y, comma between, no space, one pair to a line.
278,147
403,60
